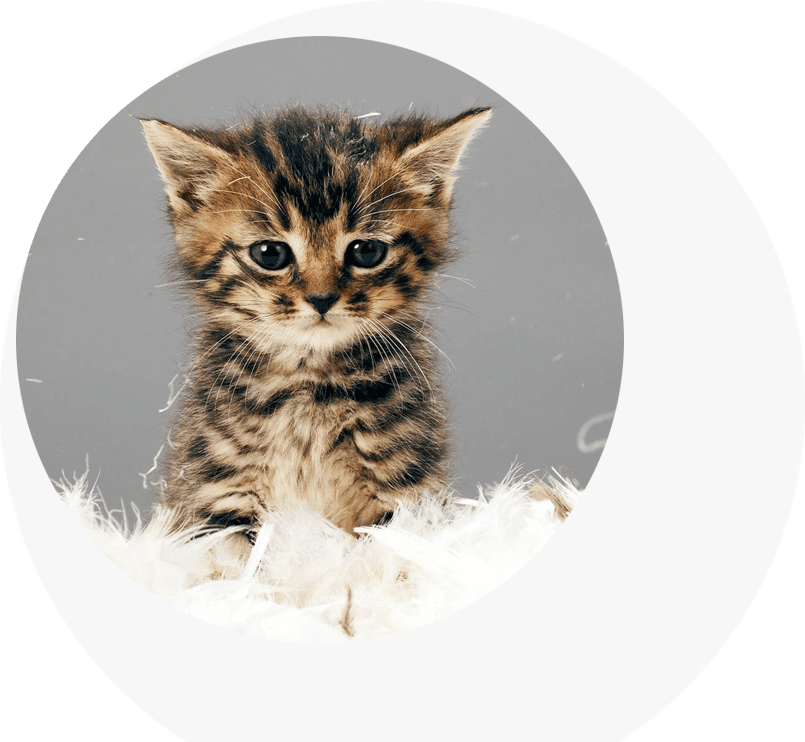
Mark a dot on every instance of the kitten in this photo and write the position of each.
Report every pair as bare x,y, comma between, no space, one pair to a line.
309,242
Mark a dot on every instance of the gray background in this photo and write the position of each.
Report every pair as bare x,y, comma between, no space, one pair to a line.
537,344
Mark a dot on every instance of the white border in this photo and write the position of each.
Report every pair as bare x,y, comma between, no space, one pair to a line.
650,576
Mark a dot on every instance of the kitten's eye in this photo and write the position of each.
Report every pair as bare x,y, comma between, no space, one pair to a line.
366,253
270,255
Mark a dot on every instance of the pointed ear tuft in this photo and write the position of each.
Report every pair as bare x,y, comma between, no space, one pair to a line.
436,158
188,165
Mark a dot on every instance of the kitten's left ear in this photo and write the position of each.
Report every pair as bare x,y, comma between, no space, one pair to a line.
436,158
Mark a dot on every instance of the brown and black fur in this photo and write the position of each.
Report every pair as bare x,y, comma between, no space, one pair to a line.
315,383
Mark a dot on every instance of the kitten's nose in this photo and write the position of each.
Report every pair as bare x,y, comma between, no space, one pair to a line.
322,302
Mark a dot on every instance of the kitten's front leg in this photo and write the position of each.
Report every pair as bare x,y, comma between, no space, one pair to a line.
373,504
214,505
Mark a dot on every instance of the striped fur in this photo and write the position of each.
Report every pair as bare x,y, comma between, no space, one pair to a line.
313,381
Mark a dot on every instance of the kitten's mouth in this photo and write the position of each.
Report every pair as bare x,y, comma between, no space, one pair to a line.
322,320
320,323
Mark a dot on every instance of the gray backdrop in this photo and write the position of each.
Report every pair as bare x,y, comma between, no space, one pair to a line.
537,343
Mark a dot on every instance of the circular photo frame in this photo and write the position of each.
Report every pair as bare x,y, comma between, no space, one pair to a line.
638,587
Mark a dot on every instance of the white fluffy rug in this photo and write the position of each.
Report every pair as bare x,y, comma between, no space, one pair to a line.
307,580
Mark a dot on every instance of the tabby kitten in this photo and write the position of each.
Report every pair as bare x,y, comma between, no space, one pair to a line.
309,241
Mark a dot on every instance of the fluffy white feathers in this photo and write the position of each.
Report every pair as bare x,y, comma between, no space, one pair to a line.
306,580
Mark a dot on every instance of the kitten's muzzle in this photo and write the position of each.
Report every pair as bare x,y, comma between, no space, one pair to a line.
322,302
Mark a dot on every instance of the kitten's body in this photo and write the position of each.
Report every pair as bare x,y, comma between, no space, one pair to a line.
309,243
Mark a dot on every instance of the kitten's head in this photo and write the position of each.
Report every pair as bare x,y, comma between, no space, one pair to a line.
308,229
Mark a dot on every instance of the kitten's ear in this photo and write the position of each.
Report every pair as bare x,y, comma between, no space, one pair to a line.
188,165
435,160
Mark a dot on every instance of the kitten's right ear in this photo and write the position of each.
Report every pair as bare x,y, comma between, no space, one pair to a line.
435,159
188,165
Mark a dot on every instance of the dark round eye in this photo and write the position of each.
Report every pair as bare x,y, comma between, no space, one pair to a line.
270,255
366,253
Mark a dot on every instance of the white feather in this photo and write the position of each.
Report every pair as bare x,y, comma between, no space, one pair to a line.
306,580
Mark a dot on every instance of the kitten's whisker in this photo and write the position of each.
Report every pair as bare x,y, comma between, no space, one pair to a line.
235,381
384,224
396,173
389,333
239,211
219,342
364,337
388,364
223,339
394,211
396,193
215,384
359,202
384,353
216,345
268,208
452,303
426,339
269,196
182,282
255,352
264,333
243,194
456,278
